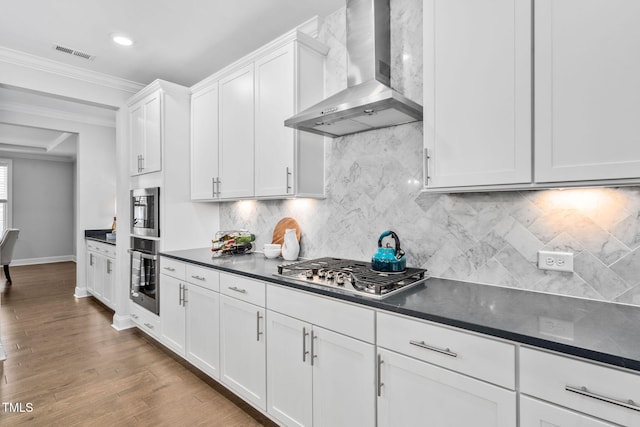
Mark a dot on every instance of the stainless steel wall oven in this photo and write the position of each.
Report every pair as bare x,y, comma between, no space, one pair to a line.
145,212
144,289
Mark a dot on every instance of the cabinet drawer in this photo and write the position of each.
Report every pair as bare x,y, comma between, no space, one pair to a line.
357,322
108,250
563,380
205,277
242,288
172,268
536,413
473,355
104,248
146,321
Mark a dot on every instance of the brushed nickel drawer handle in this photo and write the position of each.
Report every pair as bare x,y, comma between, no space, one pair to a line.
135,316
148,325
583,391
444,351
198,278
242,291
170,268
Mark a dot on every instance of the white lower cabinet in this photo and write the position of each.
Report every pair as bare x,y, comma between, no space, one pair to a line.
100,273
600,391
243,349
203,329
190,315
412,392
535,413
172,313
429,374
316,376
320,360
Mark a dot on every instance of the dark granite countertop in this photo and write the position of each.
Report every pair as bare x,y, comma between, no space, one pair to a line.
99,236
600,331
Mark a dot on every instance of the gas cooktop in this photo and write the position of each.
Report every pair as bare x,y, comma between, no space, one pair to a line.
355,277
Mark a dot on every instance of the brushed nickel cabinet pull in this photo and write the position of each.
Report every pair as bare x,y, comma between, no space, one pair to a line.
305,334
380,383
288,187
170,268
148,325
444,351
313,348
258,317
198,278
426,167
583,391
236,289
180,297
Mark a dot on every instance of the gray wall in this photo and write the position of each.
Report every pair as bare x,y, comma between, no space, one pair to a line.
43,209
373,183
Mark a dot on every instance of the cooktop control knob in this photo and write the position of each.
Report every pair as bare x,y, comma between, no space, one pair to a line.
340,279
309,274
330,275
322,273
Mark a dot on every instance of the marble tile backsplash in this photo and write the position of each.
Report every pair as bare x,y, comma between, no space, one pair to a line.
373,182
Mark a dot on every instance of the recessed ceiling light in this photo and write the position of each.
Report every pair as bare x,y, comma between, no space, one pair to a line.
122,40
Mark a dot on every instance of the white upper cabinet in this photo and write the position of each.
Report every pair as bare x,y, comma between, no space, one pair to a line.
145,133
236,134
274,141
478,57
204,143
587,90
477,92
288,162
240,147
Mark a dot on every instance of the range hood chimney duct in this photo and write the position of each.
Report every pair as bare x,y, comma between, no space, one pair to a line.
369,102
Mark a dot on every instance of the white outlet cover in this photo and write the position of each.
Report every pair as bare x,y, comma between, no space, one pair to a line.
555,261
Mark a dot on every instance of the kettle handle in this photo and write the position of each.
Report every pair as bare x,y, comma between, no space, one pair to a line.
394,236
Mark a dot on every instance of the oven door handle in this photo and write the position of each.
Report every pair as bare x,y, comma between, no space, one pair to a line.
143,254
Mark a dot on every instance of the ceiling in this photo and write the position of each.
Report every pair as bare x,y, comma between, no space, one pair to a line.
179,41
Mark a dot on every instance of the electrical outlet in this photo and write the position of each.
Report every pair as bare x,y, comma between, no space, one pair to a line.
555,327
556,261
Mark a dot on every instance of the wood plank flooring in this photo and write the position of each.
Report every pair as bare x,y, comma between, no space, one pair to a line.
74,369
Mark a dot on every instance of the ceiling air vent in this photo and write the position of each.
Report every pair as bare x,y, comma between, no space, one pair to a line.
74,52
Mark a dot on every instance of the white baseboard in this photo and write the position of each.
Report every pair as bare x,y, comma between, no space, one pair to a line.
122,322
44,260
81,292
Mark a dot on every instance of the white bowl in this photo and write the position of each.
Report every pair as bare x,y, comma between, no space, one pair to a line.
272,253
271,246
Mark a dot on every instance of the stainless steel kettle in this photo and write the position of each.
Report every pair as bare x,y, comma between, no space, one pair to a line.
387,258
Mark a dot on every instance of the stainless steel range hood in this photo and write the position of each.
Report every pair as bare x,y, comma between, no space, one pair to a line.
368,102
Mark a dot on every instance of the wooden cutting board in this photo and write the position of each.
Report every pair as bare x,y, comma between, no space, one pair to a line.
281,226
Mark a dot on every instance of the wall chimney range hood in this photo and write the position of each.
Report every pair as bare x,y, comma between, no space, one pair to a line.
368,102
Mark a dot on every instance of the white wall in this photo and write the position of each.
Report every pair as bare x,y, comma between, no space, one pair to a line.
48,77
43,210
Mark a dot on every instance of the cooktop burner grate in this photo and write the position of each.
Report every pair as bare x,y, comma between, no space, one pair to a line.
355,276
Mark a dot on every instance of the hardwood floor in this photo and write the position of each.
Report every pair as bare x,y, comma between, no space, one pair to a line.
66,362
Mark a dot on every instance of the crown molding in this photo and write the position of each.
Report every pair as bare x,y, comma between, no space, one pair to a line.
53,113
43,64
11,155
